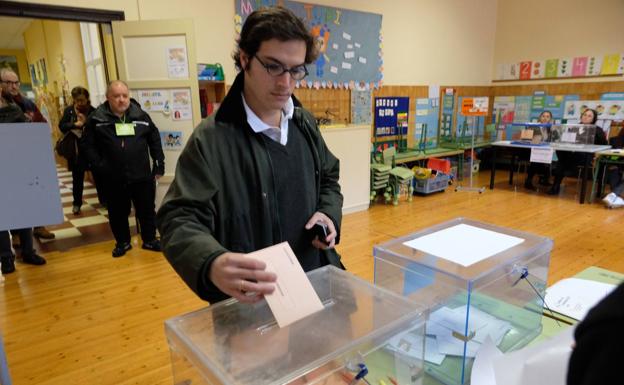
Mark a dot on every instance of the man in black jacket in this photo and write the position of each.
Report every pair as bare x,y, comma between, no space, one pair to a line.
119,139
255,174
599,349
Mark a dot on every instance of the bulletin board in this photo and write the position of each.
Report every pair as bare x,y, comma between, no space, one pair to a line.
349,43
426,126
391,115
361,107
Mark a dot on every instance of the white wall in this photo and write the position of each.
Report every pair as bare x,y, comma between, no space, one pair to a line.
433,41
425,41
549,29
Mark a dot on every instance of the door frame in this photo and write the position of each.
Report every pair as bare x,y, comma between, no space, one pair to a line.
59,12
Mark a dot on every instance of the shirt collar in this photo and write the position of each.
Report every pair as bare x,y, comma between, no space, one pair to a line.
258,125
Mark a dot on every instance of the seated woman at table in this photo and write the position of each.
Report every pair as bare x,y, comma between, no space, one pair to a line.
542,168
568,160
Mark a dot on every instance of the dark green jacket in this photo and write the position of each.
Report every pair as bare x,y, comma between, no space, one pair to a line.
223,199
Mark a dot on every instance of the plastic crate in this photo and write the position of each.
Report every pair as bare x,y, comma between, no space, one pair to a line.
431,185
442,165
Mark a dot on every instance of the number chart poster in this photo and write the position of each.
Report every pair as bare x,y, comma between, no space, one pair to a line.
349,43
391,114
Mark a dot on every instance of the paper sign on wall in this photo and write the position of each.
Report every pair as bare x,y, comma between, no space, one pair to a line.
475,106
177,63
153,100
181,104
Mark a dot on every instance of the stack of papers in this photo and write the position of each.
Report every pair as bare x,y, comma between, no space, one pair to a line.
574,297
440,340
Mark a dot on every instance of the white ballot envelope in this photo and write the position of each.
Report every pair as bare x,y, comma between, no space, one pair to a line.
294,297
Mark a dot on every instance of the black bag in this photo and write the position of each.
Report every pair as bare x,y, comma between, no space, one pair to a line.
66,146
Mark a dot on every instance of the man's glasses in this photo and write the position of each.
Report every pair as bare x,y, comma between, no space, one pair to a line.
11,83
276,69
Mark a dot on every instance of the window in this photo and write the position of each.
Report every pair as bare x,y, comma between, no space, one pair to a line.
94,62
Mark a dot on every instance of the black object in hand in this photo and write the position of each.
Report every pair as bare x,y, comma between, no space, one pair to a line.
321,230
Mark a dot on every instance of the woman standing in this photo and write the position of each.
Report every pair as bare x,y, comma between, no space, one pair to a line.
72,124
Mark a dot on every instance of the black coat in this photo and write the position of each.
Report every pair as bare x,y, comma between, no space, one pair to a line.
599,350
123,159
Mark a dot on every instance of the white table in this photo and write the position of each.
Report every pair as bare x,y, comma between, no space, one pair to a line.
588,151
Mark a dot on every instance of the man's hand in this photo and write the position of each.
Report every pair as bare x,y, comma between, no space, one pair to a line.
328,242
241,277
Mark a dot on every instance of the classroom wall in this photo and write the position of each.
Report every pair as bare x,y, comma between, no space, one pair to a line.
75,70
425,41
22,63
538,30
59,44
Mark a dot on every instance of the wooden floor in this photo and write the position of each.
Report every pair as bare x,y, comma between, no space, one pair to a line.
86,318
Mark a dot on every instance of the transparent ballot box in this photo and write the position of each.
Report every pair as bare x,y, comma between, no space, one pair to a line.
478,280
361,327
573,134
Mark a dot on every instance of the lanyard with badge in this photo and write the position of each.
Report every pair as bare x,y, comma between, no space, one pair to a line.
123,128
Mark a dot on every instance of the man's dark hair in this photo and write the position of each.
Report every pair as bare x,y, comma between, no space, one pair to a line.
272,23
79,91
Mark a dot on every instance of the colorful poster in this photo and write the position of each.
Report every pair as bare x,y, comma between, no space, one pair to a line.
538,104
426,125
153,100
612,96
612,110
538,69
574,109
525,70
391,115
361,107
177,63
551,68
579,66
503,110
181,104
556,105
564,68
171,140
594,65
606,109
610,64
522,112
349,42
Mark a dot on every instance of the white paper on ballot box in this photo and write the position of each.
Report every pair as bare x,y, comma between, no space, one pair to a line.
464,244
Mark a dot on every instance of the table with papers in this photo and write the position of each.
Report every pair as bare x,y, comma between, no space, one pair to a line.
588,151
